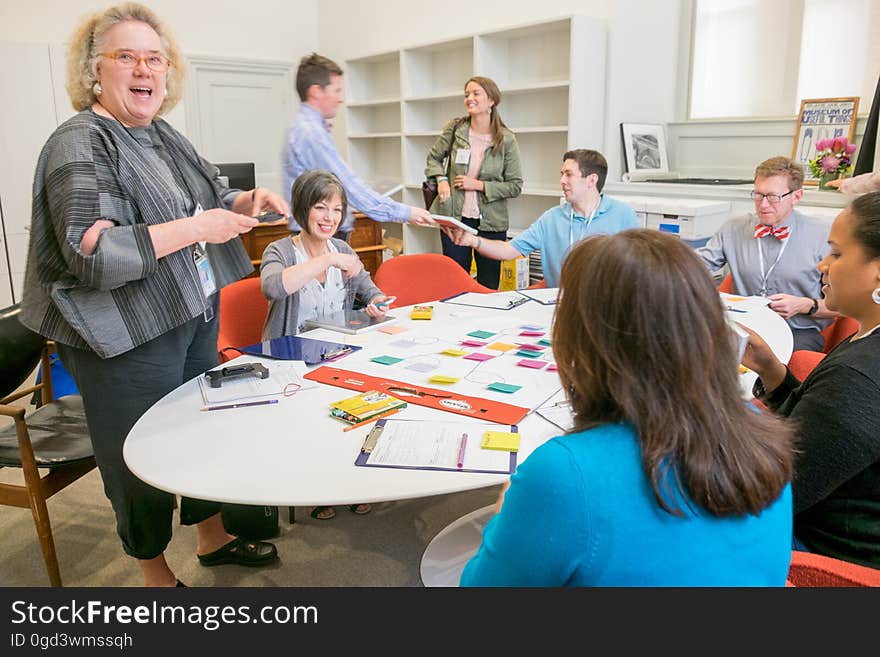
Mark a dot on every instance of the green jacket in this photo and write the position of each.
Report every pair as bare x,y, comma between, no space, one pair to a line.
500,172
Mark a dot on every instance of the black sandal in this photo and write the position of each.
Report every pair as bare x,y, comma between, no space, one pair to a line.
241,552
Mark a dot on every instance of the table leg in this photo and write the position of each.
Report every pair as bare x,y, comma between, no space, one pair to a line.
448,552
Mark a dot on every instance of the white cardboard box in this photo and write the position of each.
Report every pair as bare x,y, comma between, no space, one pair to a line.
690,219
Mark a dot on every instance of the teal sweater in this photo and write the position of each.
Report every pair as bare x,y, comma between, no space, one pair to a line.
581,512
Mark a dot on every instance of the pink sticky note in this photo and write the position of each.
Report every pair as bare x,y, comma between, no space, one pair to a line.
551,367
474,343
392,330
531,347
532,334
532,364
478,356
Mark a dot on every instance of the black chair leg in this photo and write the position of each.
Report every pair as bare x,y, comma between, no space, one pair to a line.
290,515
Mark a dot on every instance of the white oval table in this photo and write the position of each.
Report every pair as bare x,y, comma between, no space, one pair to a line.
294,454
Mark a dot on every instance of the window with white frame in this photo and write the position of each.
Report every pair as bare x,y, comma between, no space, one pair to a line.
753,58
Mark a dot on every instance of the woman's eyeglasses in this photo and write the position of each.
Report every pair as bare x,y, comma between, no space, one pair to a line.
128,59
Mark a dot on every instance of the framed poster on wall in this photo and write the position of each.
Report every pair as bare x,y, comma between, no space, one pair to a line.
822,118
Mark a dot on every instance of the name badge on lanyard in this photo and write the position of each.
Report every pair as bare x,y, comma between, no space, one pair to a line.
463,156
203,263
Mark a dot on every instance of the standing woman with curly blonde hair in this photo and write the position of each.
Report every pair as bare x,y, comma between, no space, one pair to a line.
132,236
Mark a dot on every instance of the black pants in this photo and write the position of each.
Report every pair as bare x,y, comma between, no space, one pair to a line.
809,339
116,392
488,269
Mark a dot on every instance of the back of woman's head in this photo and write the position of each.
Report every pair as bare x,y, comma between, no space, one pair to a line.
311,188
640,337
865,210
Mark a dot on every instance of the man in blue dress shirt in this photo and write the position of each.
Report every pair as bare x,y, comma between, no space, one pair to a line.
310,146
586,212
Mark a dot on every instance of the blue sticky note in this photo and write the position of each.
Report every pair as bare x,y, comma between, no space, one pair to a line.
481,334
544,341
527,353
386,360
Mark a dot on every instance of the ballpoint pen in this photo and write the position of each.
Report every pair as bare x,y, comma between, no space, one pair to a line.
461,447
240,405
387,302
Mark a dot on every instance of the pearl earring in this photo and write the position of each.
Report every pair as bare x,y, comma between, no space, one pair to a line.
97,89
875,295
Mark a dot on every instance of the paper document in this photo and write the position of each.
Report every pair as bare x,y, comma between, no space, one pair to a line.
283,375
437,446
545,295
452,222
496,300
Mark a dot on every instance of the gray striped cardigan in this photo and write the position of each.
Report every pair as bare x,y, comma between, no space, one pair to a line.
121,296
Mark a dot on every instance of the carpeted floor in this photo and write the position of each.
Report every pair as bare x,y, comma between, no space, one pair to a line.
382,548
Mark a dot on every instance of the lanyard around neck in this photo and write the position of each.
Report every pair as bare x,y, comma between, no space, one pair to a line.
766,274
583,231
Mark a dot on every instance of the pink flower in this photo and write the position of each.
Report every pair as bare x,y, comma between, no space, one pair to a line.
822,144
850,149
838,144
830,163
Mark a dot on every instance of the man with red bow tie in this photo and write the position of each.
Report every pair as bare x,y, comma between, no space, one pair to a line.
774,252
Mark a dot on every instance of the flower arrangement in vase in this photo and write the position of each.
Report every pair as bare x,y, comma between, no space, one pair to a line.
833,160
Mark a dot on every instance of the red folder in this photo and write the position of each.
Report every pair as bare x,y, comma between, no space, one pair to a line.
442,400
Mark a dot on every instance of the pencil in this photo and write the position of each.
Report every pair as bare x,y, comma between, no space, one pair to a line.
372,419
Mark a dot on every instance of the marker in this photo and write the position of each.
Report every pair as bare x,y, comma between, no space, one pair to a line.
460,462
387,302
241,405
372,419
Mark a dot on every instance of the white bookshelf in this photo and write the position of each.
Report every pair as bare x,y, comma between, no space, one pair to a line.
552,80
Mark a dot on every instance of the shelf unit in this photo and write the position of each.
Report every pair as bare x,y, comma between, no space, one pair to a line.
552,80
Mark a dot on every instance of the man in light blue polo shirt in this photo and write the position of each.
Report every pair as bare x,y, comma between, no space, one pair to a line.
586,212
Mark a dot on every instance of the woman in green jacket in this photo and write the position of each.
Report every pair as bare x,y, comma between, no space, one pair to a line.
483,171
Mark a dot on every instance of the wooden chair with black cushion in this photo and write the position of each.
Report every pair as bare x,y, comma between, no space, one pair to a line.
54,437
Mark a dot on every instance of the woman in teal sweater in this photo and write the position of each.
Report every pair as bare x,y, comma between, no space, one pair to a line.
668,478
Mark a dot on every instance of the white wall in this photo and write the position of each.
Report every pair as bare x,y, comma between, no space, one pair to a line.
642,45
259,29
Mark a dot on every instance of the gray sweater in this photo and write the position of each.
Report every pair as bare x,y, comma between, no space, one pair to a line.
284,307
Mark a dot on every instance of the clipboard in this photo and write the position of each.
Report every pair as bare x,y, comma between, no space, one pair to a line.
441,400
294,347
496,300
506,461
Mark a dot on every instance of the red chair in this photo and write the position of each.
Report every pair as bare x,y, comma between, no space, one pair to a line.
424,277
540,285
803,362
243,310
726,285
836,332
808,569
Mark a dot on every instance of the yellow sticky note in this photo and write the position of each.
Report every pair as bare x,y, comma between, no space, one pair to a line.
501,346
422,312
440,378
503,441
454,352
743,369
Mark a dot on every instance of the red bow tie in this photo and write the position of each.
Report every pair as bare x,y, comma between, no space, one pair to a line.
782,232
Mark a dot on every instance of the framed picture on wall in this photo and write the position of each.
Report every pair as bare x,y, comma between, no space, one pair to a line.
644,148
822,118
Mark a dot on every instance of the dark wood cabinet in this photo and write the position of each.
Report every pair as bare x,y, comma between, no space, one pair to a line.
366,240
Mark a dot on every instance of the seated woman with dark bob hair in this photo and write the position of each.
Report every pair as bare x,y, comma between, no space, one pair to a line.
668,478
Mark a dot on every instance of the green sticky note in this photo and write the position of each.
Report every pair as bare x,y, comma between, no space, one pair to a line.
544,341
386,360
528,354
503,387
481,334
